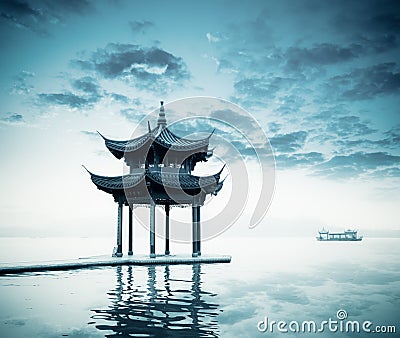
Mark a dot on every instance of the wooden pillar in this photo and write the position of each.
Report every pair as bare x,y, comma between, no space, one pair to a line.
130,252
194,230
119,231
198,232
152,230
167,208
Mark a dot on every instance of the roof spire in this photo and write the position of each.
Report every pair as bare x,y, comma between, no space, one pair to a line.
162,121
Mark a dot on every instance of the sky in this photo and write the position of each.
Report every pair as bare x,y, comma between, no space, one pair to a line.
320,78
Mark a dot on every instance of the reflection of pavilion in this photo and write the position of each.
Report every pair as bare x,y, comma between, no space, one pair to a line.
163,308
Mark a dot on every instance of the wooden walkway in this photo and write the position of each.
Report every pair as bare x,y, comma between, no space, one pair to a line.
90,262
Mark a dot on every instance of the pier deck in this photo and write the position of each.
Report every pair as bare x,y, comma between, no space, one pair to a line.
82,263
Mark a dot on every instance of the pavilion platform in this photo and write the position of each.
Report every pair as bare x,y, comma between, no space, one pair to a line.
101,261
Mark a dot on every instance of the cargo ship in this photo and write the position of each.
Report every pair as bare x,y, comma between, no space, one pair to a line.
348,235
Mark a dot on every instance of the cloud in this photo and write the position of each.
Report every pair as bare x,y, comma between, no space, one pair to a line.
300,58
65,99
119,97
12,119
91,134
356,164
299,159
240,121
144,68
87,85
132,115
366,83
213,38
288,143
391,140
274,127
141,26
21,85
346,126
22,15
90,93
378,28
70,6
258,90
37,16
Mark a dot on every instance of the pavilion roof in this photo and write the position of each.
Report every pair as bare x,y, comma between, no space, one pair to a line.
117,182
176,180
160,135
183,180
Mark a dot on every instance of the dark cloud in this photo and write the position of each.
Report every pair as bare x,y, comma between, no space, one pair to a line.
38,15
346,126
381,43
70,6
377,27
356,164
21,14
12,118
66,99
299,58
87,85
88,93
140,26
365,83
288,143
391,140
333,40
258,90
145,68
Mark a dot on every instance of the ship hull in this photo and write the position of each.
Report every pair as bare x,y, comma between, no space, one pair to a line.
339,240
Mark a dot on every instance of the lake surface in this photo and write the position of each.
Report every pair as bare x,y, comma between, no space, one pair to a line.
277,279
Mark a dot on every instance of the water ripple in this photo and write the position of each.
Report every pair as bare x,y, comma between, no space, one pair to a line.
159,307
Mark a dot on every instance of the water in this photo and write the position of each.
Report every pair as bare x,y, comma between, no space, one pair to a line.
282,279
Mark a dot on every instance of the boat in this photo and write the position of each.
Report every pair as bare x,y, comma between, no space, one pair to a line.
347,235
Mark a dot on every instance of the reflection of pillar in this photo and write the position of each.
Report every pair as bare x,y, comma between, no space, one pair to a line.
119,287
119,231
196,302
167,252
130,252
146,309
152,294
152,229
198,232
194,230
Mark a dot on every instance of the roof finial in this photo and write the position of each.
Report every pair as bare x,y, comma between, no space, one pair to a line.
162,121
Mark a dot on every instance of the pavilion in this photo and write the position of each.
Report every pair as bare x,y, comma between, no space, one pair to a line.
160,165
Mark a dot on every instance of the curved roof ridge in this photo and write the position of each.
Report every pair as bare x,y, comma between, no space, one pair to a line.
188,139
117,182
169,139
